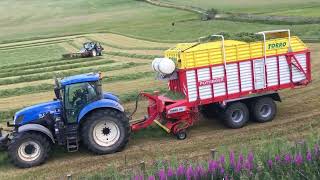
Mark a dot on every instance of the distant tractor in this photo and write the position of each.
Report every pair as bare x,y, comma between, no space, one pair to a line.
80,111
90,49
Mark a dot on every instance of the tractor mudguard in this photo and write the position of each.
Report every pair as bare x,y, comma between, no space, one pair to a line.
107,95
36,127
103,103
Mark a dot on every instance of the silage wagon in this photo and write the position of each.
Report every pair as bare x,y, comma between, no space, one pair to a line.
234,80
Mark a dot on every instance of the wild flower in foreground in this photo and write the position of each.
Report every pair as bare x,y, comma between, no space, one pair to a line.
277,159
151,178
309,156
212,166
189,172
170,172
270,163
232,159
222,160
288,158
250,157
138,177
180,170
298,159
162,174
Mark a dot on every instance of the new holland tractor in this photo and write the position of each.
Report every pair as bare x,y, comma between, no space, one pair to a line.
89,49
81,111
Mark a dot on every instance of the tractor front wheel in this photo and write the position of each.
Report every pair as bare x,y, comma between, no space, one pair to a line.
106,131
28,149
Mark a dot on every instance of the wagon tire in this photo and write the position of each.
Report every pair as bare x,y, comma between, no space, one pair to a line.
106,131
236,115
263,109
28,149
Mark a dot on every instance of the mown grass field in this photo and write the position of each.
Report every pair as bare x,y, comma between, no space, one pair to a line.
284,7
30,59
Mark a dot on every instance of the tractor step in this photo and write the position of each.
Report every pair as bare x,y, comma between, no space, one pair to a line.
72,138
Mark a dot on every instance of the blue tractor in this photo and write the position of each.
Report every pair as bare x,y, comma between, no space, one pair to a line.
81,111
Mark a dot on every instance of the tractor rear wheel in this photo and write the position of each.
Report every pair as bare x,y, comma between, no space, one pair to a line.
236,115
28,149
106,131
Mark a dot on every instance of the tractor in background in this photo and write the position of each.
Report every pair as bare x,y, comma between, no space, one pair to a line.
89,49
81,111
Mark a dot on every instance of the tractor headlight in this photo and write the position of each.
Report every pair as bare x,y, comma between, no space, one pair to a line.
18,120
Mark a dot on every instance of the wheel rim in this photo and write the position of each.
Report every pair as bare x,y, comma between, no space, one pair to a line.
106,133
265,111
237,116
29,151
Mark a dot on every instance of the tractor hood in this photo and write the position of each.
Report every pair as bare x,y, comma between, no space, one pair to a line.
35,112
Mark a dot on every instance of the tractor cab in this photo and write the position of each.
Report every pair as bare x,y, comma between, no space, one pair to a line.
76,92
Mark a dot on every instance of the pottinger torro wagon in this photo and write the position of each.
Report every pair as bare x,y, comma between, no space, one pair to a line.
232,79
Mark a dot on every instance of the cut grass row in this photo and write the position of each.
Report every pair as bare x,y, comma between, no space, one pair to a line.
126,97
49,75
33,44
125,48
49,87
54,62
56,68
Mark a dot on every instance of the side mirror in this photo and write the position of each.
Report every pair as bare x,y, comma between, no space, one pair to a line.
57,92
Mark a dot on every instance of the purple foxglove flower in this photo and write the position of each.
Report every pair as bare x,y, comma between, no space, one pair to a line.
138,177
189,172
309,156
232,159
170,172
221,170
222,160
226,177
288,158
151,178
212,166
180,170
200,171
250,157
277,158
162,174
298,159
270,163
240,159
247,165
238,167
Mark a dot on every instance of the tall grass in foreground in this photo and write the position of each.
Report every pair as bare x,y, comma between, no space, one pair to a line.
275,159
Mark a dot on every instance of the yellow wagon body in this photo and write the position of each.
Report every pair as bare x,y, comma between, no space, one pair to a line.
191,55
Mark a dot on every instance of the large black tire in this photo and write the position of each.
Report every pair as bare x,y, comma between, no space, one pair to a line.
236,115
24,145
112,121
263,109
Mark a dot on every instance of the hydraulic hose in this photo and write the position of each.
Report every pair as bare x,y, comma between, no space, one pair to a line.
136,106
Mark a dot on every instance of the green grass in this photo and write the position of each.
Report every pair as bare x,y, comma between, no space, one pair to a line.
26,55
138,19
296,7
